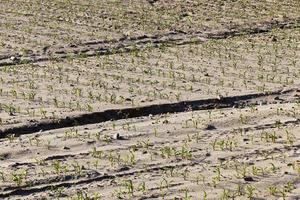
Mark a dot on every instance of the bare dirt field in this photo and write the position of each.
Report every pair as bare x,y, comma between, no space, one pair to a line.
149,99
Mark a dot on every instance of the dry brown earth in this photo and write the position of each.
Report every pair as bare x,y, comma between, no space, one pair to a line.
138,100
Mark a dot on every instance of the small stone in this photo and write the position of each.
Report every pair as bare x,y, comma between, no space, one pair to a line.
90,142
144,152
152,1
117,136
221,159
14,59
166,121
274,39
66,148
248,178
220,97
124,168
210,127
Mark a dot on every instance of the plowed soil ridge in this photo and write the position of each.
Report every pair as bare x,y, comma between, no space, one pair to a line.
279,96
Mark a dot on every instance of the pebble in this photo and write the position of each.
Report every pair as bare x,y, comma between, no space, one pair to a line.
117,136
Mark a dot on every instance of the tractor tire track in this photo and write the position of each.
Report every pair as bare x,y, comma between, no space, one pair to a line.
96,178
125,44
68,181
